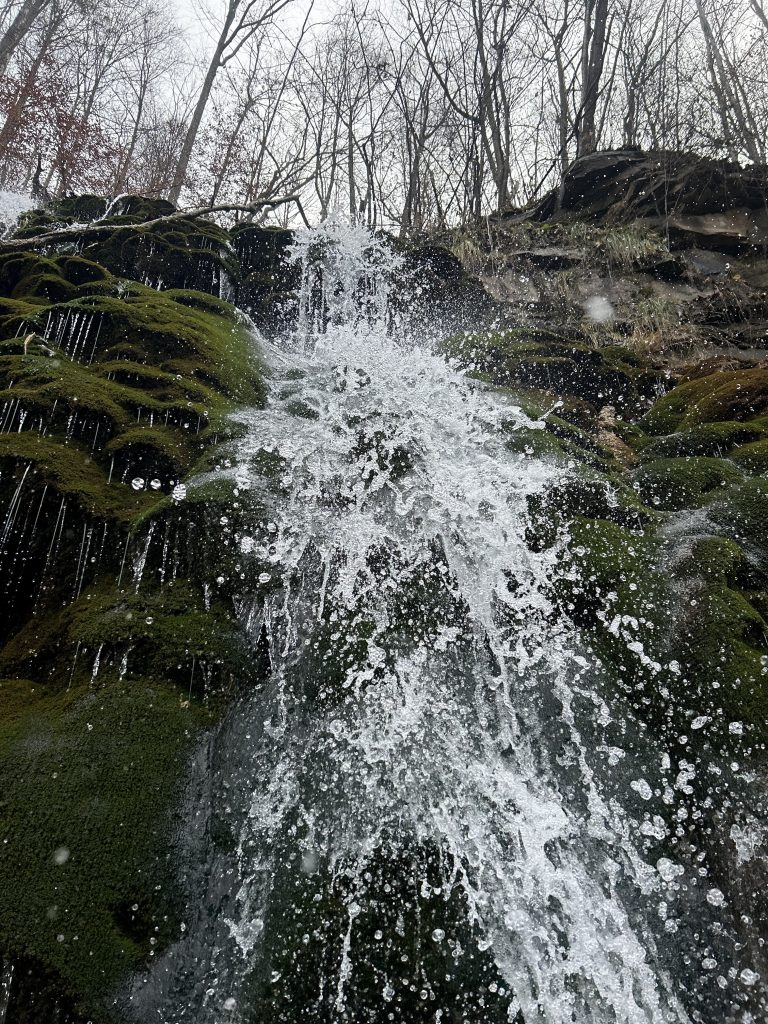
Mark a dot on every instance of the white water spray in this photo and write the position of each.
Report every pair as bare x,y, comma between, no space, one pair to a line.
425,696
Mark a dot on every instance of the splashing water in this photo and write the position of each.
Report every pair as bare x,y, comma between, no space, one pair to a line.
407,823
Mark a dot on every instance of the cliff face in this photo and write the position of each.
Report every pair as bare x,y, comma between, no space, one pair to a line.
119,367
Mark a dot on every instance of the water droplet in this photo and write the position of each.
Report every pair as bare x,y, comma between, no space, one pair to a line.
264,577
138,483
179,492
230,1004
155,484
715,898
60,855
438,934
149,620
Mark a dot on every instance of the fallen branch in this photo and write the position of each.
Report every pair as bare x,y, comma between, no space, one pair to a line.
97,230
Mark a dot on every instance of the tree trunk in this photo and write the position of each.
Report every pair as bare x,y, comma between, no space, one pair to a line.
21,24
188,145
593,60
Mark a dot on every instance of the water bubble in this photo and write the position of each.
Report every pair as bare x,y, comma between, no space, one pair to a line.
149,620
230,1004
138,483
264,577
155,484
179,492
715,898
438,934
642,788
668,870
60,855
749,977
388,992
736,728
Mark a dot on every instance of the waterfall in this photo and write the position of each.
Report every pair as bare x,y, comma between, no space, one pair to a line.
415,819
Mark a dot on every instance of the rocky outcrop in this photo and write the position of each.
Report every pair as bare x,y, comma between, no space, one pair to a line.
695,200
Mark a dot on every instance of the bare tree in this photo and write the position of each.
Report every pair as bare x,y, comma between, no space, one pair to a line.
242,19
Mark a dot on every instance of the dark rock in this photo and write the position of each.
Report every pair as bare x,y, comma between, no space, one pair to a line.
713,203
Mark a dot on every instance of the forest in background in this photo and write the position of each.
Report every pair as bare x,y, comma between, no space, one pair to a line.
406,113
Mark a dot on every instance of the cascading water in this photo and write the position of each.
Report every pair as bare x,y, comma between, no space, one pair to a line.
420,817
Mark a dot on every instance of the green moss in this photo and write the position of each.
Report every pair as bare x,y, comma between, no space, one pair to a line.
185,253
70,470
404,901
739,395
534,357
721,639
715,439
536,444
673,484
89,780
742,514
753,458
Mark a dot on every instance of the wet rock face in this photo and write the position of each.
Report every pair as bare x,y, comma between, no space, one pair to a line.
122,640
702,202
116,644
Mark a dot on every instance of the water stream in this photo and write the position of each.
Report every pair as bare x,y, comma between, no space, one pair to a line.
423,815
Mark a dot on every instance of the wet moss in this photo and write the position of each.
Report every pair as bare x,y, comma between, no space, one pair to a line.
185,253
739,395
742,514
753,458
722,639
535,357
164,633
713,439
414,951
674,484
71,472
89,781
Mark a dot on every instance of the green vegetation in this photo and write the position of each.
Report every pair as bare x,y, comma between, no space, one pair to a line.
110,394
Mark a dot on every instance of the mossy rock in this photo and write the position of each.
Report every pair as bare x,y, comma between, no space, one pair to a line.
721,639
90,778
267,278
162,632
742,514
535,357
739,395
412,932
753,458
184,253
536,444
673,484
715,439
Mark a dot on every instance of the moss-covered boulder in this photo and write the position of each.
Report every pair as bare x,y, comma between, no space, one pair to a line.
753,458
738,395
712,439
184,253
673,484
721,639
536,357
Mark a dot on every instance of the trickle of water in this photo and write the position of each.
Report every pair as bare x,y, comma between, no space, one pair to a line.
407,823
